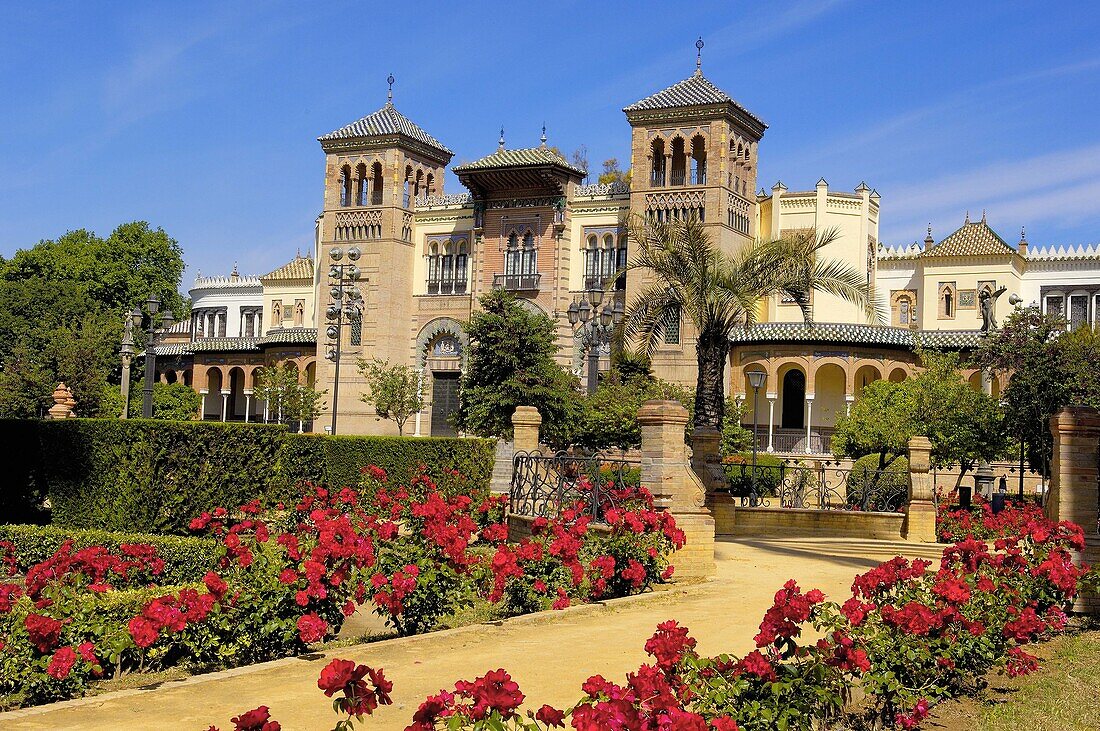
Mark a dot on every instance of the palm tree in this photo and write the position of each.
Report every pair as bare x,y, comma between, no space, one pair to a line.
687,273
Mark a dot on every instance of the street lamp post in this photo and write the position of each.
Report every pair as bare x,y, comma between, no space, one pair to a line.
596,327
345,308
148,318
757,379
127,353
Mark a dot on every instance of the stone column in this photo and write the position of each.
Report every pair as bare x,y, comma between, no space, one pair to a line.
771,420
667,473
202,403
920,513
247,405
809,421
1075,481
225,403
525,428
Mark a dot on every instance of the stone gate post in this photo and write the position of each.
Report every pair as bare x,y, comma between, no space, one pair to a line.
1075,482
526,421
667,473
920,513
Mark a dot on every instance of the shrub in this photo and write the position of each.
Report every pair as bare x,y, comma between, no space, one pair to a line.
115,474
185,558
769,473
867,484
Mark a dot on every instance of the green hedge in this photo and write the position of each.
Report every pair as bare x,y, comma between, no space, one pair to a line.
339,461
186,559
155,475
119,474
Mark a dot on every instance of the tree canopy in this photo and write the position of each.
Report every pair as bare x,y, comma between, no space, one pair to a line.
395,390
1048,368
686,275
511,363
964,425
62,304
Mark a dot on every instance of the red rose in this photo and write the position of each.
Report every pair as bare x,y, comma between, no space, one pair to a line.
61,663
143,631
258,719
44,631
311,628
215,585
550,716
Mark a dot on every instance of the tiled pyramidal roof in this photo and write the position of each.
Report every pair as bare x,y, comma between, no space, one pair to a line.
386,121
301,267
526,157
972,239
696,90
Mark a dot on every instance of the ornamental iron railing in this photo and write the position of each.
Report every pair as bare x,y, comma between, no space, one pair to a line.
516,282
543,485
821,486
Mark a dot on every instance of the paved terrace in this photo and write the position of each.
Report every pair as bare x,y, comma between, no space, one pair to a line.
549,654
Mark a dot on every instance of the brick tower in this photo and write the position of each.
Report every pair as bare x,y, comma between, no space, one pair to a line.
376,168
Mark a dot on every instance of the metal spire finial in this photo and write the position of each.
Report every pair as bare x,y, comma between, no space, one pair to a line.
500,142
389,94
967,220
699,56
983,215
543,138
1023,234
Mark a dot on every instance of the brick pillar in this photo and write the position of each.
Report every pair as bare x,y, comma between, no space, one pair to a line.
667,473
707,461
920,513
1075,482
525,424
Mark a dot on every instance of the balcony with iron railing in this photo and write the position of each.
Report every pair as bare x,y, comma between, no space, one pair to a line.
516,282
795,441
446,286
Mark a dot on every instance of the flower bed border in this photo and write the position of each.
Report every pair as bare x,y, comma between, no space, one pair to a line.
545,616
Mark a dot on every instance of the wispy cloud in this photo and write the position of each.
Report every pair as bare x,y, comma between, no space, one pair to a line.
895,125
1059,187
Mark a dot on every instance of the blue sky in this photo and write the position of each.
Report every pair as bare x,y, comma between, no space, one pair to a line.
202,117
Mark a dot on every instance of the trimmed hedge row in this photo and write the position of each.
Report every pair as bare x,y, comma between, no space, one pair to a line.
120,474
338,461
186,559
154,476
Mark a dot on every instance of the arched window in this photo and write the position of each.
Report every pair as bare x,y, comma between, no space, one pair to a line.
361,185
530,262
670,326
376,184
418,187
429,186
345,186
512,256
460,268
299,312
657,177
405,186
620,264
433,269
698,161
592,263
947,301
904,311
277,313
608,256
679,162
448,277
